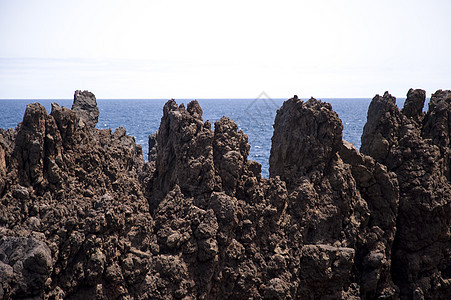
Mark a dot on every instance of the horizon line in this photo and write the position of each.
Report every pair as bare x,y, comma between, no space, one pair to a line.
206,98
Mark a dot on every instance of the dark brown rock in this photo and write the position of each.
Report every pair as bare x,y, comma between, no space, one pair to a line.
325,271
343,201
3,167
437,126
85,106
26,265
416,150
184,153
379,188
152,155
75,190
230,149
29,146
413,107
82,216
383,121
310,146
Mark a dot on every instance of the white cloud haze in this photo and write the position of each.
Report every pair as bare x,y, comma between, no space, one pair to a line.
209,49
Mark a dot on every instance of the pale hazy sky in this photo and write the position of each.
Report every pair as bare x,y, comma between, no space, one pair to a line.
221,49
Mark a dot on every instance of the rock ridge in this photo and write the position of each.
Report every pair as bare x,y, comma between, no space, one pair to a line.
83,216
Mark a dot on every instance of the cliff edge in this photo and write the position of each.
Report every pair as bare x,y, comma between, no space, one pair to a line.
83,216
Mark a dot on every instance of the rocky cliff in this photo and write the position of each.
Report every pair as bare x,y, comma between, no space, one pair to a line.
82,215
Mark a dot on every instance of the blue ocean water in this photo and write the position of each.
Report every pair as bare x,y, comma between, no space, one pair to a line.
254,116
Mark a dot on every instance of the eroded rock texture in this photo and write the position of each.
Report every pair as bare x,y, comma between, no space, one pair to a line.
84,217
85,106
339,196
71,209
415,146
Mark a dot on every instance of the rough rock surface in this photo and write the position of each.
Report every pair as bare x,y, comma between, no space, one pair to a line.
82,216
85,105
71,208
27,261
416,147
310,146
341,197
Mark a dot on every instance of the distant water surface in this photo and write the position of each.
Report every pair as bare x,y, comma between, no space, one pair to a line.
254,116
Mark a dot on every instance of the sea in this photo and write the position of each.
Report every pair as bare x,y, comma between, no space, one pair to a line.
255,117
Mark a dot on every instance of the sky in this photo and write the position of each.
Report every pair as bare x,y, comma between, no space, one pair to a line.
223,49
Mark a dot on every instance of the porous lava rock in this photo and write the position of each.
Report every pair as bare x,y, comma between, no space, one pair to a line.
83,216
311,144
71,208
85,106
415,146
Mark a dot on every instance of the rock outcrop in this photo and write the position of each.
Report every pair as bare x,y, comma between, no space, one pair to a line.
71,208
83,216
341,197
85,106
415,146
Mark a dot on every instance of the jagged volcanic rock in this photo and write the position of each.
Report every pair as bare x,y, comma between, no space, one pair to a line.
85,105
342,197
71,208
184,152
312,143
416,148
82,216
